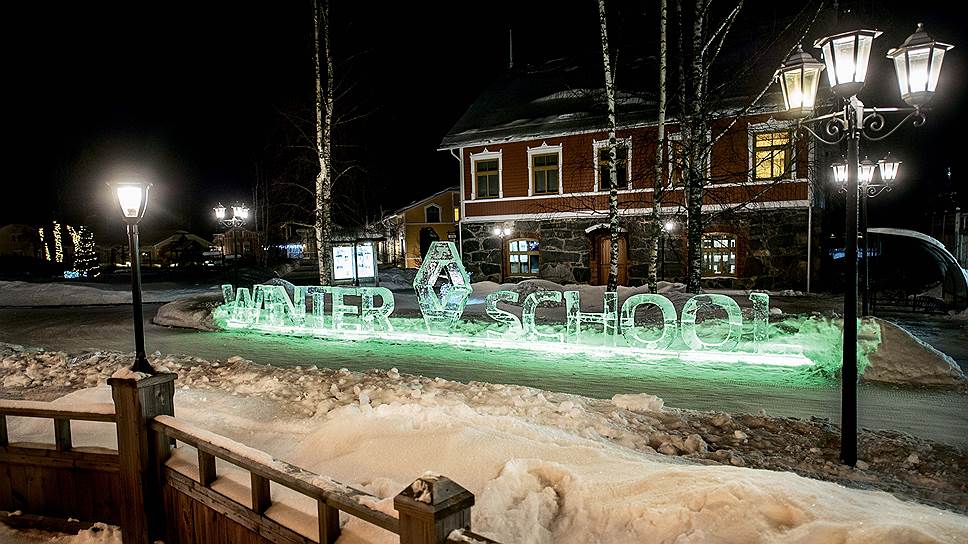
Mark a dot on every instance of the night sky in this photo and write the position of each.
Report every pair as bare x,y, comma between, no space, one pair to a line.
201,94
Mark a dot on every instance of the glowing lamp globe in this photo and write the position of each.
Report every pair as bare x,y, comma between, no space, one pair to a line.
133,199
840,171
219,212
846,56
866,171
497,231
918,64
669,226
799,76
888,167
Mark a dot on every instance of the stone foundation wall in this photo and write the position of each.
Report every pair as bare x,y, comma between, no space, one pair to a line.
771,252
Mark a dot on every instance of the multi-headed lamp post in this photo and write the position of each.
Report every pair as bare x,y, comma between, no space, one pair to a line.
240,213
869,188
133,198
846,55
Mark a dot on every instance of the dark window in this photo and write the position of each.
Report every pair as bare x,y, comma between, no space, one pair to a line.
488,178
433,214
621,167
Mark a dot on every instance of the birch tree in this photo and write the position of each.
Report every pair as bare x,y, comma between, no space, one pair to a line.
658,185
612,170
324,128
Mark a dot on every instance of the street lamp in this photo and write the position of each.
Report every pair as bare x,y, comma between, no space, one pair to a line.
239,215
846,57
888,167
799,79
133,198
918,64
840,172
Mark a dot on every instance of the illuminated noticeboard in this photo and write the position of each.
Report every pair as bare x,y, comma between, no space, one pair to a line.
348,268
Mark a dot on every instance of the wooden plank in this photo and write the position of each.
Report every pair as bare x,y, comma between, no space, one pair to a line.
18,487
328,523
101,411
3,430
47,455
245,517
335,494
6,499
206,468
62,434
261,501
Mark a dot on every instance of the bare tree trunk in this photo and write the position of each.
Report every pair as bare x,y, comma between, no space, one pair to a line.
612,170
695,150
658,186
324,115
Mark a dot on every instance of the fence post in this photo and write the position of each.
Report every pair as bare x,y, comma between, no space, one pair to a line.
141,453
431,508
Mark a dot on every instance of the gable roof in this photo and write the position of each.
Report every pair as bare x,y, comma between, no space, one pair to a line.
416,203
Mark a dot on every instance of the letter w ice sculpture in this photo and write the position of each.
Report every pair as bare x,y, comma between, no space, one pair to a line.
442,310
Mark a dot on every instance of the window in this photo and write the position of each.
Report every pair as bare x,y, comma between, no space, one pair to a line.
771,155
622,162
523,257
433,213
487,174
544,171
718,254
677,159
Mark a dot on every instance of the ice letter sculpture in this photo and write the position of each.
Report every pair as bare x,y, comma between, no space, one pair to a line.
441,312
514,329
608,318
527,314
668,334
733,314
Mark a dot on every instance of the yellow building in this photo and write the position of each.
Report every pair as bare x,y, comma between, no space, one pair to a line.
411,229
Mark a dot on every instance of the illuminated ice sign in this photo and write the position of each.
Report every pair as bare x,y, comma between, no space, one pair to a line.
443,287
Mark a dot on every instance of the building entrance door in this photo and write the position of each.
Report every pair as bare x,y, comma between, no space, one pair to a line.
601,259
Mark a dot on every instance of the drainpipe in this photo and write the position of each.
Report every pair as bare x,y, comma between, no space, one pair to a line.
460,234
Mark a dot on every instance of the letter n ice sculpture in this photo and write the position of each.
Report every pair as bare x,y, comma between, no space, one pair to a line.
442,309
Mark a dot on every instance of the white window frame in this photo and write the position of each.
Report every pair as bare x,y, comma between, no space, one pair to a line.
485,156
598,145
545,149
677,137
440,218
770,125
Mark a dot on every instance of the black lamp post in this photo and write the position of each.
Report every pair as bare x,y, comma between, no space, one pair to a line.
240,213
133,199
846,55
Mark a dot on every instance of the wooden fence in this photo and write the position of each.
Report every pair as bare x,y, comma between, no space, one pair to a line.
150,490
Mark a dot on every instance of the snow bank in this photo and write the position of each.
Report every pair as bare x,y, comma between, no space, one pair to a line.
20,293
99,533
902,358
194,312
541,484
642,402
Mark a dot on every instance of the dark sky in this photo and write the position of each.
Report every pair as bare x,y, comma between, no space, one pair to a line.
195,92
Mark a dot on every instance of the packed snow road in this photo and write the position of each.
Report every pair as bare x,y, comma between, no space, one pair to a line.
930,414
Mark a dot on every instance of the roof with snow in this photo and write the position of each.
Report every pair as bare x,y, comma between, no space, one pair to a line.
565,96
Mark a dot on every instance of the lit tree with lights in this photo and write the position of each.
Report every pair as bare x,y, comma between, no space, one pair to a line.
85,255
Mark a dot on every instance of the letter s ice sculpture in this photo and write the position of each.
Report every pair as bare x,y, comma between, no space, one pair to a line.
442,312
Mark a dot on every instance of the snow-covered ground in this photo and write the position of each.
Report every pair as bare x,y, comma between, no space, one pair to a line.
21,293
545,467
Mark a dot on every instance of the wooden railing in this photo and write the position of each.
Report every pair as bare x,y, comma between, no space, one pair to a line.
138,488
56,479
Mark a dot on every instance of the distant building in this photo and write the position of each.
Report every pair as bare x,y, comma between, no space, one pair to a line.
20,241
411,229
241,243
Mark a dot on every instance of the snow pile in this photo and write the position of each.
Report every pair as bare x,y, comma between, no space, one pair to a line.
904,359
99,533
194,312
20,293
641,402
534,482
